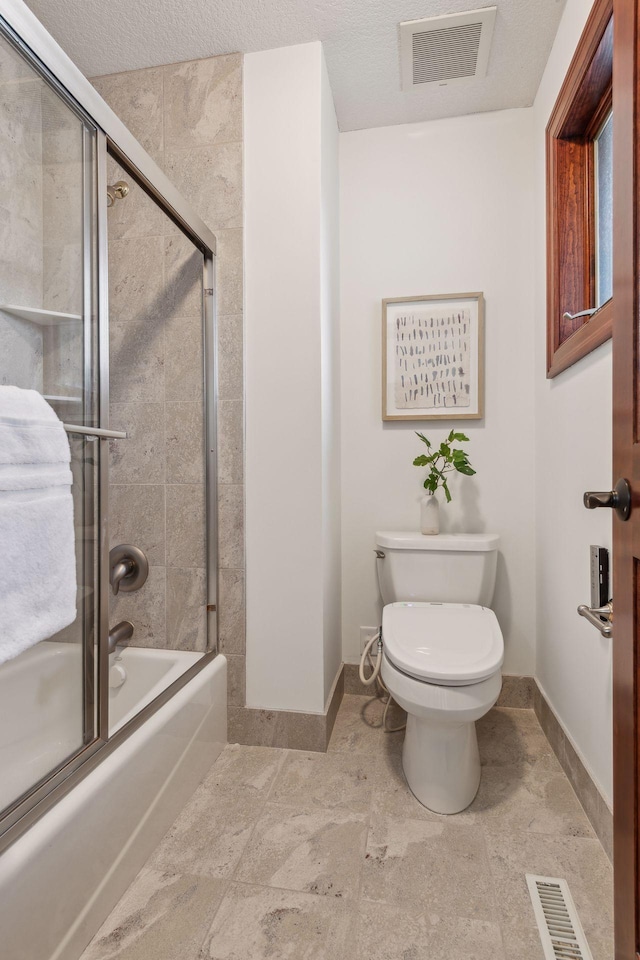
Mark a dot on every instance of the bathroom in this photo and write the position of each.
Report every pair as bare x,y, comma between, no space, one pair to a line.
208,219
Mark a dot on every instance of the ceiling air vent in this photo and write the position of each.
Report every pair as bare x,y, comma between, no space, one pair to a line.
444,50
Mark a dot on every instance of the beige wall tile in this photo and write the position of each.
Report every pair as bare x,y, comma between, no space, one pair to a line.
136,96
211,179
185,442
136,361
230,357
136,286
183,274
236,680
231,441
185,525
136,215
231,525
203,101
186,609
141,458
231,618
136,514
146,610
229,271
183,339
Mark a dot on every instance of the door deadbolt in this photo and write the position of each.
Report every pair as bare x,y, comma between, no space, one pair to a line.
618,499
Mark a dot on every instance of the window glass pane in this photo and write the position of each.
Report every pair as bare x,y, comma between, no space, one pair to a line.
604,212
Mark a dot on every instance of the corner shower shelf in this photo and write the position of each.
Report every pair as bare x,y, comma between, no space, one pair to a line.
45,318
52,398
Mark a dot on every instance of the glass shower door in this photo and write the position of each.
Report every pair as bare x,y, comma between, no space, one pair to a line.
48,343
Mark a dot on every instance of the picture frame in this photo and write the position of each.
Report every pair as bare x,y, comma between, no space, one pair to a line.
433,357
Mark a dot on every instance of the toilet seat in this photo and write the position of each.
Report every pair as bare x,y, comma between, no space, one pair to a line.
447,644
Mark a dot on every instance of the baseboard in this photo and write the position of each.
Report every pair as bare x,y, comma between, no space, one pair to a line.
591,800
287,728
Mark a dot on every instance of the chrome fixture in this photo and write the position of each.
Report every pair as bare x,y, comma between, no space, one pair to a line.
117,191
95,432
380,554
599,617
129,568
618,499
119,635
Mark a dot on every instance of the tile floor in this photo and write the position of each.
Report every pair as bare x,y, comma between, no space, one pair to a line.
304,856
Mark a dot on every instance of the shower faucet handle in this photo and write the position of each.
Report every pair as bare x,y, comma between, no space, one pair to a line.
129,568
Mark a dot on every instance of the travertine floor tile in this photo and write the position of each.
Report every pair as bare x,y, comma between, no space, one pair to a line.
511,736
209,836
358,727
311,780
319,851
383,932
582,862
329,857
162,916
419,863
256,923
532,798
244,771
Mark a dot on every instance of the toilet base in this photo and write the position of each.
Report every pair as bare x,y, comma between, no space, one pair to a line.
441,763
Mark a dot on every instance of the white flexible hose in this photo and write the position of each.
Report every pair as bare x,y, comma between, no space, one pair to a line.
367,681
374,676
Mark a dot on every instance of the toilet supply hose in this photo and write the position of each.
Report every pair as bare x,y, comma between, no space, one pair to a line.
366,655
374,677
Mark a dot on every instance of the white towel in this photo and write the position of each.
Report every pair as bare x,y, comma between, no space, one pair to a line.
37,542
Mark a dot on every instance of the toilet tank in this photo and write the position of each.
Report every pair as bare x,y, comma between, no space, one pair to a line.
446,568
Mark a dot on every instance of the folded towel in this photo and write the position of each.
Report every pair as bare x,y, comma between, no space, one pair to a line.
37,541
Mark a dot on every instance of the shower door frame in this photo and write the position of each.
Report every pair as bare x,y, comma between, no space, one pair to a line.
22,29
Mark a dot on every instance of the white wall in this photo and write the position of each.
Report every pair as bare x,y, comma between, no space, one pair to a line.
330,360
573,454
440,207
291,361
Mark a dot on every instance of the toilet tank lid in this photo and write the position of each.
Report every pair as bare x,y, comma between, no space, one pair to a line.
460,542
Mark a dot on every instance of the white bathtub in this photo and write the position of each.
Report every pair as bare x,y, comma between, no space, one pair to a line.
148,673
59,881
41,705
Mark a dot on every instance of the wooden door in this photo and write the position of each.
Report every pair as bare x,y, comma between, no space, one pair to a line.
626,463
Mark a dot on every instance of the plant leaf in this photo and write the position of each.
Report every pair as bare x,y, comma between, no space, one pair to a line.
445,450
459,436
422,460
446,491
465,468
423,438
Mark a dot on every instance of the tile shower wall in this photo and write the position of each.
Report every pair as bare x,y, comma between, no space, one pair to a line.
188,116
21,349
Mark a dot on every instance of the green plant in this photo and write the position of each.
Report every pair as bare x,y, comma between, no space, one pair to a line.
443,461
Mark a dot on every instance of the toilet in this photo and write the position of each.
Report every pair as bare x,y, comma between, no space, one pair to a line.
442,654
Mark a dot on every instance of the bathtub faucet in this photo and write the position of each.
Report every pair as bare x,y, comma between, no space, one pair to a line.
120,635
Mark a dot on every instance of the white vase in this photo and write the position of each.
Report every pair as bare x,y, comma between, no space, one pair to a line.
429,515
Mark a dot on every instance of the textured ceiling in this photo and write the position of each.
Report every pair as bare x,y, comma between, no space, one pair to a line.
360,40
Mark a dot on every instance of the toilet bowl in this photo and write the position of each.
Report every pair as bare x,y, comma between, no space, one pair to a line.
454,687
441,659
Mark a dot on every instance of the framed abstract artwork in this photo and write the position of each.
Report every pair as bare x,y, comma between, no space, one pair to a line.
433,357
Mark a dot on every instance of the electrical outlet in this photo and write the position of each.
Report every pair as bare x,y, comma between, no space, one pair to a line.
365,635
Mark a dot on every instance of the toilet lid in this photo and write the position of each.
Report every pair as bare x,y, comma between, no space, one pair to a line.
443,642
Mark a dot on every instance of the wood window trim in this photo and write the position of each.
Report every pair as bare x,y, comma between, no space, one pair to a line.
582,106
